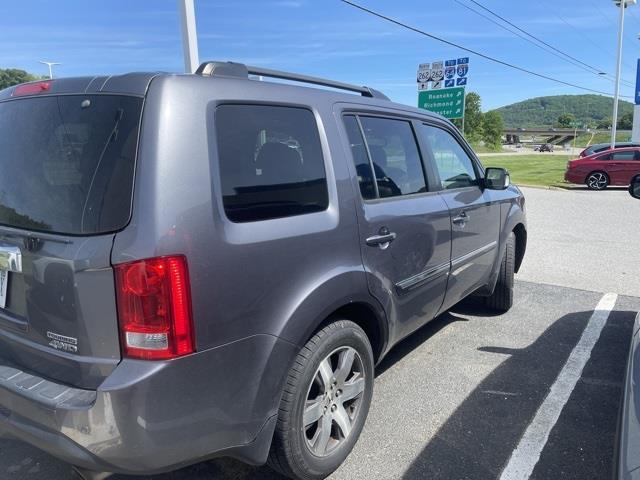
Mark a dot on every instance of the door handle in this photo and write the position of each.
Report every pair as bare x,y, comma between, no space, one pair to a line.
461,219
382,240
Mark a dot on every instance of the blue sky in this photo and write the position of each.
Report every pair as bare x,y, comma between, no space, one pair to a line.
327,38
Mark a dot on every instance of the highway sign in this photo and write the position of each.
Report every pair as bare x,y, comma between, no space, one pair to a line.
436,85
462,70
448,83
424,73
461,81
450,63
423,86
437,71
449,72
448,102
463,61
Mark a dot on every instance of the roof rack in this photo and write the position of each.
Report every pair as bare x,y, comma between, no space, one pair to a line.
240,70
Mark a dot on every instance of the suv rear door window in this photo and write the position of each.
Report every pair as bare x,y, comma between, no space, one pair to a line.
360,158
67,162
271,163
452,162
394,155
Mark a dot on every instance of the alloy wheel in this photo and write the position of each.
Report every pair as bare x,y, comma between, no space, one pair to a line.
597,181
333,401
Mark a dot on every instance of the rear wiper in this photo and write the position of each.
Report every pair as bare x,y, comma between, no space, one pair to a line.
111,138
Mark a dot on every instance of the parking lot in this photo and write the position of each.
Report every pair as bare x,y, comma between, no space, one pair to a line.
455,399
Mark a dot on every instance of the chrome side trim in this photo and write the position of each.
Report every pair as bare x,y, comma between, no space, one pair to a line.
468,257
421,278
10,258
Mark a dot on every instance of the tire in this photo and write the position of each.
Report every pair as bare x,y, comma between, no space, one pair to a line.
501,299
319,449
597,181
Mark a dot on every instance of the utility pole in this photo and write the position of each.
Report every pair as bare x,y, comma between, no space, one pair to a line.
50,65
189,35
614,119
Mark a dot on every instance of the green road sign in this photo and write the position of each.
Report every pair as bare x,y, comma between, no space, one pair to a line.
448,102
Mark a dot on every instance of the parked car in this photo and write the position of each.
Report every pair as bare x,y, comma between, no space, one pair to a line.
209,265
546,147
598,171
601,147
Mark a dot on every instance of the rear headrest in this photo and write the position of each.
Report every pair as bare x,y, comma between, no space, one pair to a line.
279,164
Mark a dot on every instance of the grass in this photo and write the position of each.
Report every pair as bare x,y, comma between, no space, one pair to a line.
582,140
541,170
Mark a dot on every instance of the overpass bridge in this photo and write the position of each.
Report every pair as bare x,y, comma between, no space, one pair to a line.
555,136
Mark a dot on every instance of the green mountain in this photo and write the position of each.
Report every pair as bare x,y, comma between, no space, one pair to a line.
544,111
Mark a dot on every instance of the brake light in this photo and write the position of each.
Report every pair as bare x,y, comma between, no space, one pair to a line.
31,88
154,308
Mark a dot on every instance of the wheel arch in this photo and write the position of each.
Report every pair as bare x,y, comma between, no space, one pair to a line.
344,296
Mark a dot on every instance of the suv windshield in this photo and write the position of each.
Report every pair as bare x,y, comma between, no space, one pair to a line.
67,162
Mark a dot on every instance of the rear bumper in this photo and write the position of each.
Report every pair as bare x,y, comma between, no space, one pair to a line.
151,417
574,177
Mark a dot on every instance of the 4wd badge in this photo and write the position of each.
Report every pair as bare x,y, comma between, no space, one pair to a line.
60,342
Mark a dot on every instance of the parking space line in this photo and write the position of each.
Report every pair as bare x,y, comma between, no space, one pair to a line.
526,455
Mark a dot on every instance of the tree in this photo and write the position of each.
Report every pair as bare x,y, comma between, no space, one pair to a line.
12,76
626,121
492,128
566,120
473,117
604,123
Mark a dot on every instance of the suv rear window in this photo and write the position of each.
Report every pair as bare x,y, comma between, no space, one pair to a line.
67,162
271,163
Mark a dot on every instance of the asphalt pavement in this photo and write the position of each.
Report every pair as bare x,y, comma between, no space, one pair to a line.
455,399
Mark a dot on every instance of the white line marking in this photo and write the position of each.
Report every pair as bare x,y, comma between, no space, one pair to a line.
526,455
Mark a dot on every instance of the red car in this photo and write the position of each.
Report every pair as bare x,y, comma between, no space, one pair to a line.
611,167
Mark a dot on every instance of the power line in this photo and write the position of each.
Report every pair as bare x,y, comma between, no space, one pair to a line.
469,50
554,52
586,37
610,18
596,70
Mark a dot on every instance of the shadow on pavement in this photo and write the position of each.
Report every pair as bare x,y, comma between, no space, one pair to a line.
477,440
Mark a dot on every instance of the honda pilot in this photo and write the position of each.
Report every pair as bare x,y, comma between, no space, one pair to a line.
206,265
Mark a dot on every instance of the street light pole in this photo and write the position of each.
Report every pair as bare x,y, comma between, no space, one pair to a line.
189,35
614,119
50,65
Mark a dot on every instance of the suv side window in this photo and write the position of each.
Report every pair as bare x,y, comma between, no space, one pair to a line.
452,162
360,158
271,163
394,156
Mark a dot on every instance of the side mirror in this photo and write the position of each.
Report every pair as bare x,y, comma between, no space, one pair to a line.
496,178
634,188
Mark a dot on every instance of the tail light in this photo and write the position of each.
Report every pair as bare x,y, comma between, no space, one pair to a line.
154,308
31,89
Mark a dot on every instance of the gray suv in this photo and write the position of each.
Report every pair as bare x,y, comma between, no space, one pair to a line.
210,265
